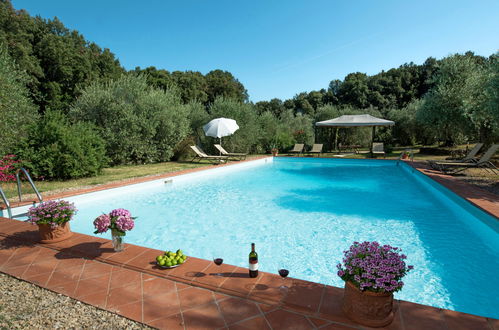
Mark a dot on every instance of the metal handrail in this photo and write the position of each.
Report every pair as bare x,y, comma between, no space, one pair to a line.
22,169
6,202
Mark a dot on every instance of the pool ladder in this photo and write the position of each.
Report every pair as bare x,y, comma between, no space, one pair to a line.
18,179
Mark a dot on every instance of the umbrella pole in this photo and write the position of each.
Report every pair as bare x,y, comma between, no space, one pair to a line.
219,151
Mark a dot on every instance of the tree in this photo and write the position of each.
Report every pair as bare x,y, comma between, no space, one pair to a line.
139,123
244,139
449,106
223,84
17,111
55,58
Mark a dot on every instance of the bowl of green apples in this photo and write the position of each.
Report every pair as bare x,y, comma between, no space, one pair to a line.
171,259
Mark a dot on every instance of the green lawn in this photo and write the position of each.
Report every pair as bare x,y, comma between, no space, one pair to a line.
112,174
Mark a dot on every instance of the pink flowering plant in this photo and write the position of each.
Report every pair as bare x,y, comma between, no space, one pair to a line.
374,267
8,166
118,220
54,213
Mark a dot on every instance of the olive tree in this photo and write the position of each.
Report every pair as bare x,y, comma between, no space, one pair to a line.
17,111
140,123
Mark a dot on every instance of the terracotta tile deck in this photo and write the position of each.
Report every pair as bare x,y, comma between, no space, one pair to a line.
192,296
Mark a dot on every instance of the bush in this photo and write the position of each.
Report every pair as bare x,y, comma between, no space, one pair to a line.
140,124
58,150
8,166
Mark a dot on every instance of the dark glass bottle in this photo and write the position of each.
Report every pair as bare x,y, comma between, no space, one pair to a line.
253,262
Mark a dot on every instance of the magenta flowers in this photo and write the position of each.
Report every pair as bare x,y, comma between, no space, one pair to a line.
102,223
374,267
53,213
120,220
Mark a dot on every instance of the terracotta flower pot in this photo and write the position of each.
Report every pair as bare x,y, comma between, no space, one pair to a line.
368,308
275,152
53,235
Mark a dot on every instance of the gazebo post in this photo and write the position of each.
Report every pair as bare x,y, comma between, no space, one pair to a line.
372,141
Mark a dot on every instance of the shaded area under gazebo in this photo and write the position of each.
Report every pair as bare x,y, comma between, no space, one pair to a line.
347,121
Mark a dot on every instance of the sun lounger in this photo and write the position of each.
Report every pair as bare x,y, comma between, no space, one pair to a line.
202,155
316,149
378,148
297,149
483,163
469,158
236,155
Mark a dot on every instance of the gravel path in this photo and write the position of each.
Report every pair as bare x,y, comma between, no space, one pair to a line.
27,306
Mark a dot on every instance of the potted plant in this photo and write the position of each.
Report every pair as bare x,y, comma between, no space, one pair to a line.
119,221
274,147
372,273
52,218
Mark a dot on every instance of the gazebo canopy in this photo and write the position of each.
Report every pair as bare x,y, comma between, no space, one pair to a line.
355,121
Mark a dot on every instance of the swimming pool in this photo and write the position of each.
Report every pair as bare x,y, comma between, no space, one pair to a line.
302,213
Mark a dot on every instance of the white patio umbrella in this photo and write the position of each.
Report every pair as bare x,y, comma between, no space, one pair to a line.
220,127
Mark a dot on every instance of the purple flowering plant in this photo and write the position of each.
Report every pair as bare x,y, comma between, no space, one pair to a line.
53,213
118,220
374,267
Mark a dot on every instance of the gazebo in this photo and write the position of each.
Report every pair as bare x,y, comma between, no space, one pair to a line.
365,120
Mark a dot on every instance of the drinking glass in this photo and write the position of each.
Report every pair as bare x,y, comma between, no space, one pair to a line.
218,261
283,273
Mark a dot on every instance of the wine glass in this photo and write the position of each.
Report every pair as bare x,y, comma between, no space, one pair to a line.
218,262
283,273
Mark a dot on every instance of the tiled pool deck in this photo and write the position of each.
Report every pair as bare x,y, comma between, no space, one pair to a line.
192,296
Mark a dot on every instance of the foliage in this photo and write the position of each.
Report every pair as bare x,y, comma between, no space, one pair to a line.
485,115
52,213
56,149
119,220
55,58
8,165
372,267
452,107
193,86
139,123
243,140
17,111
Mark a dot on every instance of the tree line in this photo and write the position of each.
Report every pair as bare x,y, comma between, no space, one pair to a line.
68,108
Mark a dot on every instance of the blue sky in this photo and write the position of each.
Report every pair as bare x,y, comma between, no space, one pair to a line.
279,48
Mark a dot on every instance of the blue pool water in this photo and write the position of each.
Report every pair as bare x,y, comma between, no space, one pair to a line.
302,213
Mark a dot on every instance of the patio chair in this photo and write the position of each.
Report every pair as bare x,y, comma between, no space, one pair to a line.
202,155
235,155
483,163
469,158
297,149
378,149
316,149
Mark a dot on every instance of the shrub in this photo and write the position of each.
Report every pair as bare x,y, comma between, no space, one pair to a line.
139,123
8,165
58,150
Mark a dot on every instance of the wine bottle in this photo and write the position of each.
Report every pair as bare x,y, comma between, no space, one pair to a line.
253,262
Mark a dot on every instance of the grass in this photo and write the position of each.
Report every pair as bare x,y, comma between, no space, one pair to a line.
112,174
